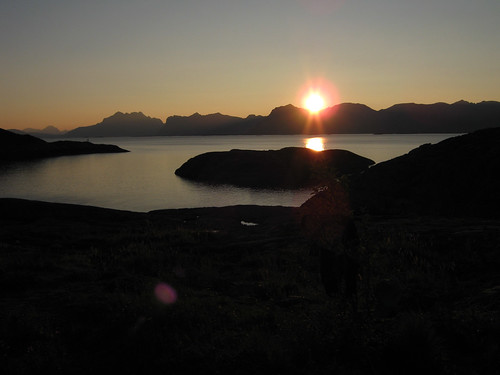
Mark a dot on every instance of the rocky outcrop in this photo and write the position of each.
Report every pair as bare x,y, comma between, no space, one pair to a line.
24,147
291,167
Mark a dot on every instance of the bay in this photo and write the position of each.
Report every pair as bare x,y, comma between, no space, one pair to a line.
144,180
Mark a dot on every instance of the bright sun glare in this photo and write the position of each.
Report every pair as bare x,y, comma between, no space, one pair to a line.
316,144
314,102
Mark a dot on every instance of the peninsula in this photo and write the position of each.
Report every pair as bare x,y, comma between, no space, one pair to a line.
15,147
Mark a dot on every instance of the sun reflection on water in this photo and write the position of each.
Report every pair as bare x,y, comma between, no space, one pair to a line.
316,143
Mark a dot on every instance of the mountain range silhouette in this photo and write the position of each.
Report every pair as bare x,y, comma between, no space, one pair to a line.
345,118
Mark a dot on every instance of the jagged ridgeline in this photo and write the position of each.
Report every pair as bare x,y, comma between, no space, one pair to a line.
348,118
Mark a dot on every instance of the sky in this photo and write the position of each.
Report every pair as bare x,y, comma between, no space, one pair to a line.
71,63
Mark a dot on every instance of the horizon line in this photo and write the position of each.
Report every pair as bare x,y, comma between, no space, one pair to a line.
41,128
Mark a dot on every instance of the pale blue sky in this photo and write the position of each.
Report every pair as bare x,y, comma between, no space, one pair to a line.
71,63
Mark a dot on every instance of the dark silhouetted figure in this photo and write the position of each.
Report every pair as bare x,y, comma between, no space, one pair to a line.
339,264
328,223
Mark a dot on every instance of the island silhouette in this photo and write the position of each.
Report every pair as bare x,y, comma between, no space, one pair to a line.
288,168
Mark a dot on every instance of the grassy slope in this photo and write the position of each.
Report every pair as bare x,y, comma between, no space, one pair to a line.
76,294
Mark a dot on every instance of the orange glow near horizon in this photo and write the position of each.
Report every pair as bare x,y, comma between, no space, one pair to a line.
316,144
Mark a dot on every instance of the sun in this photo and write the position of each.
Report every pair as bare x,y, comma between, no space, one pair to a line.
314,102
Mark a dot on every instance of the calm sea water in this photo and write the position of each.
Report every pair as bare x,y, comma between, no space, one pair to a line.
144,179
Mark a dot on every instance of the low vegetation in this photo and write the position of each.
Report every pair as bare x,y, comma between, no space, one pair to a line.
77,295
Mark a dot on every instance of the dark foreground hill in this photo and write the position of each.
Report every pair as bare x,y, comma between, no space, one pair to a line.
90,290
459,176
24,147
291,167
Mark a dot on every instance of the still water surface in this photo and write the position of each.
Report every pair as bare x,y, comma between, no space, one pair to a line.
144,179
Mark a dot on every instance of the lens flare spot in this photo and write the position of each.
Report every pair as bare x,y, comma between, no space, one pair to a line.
316,144
165,293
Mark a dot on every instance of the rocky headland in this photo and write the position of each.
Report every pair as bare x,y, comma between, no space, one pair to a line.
15,147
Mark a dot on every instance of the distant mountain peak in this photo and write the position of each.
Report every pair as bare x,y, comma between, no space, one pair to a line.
462,102
51,129
285,107
131,115
132,124
289,108
47,131
354,105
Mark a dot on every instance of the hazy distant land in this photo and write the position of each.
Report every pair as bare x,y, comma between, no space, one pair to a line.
345,118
